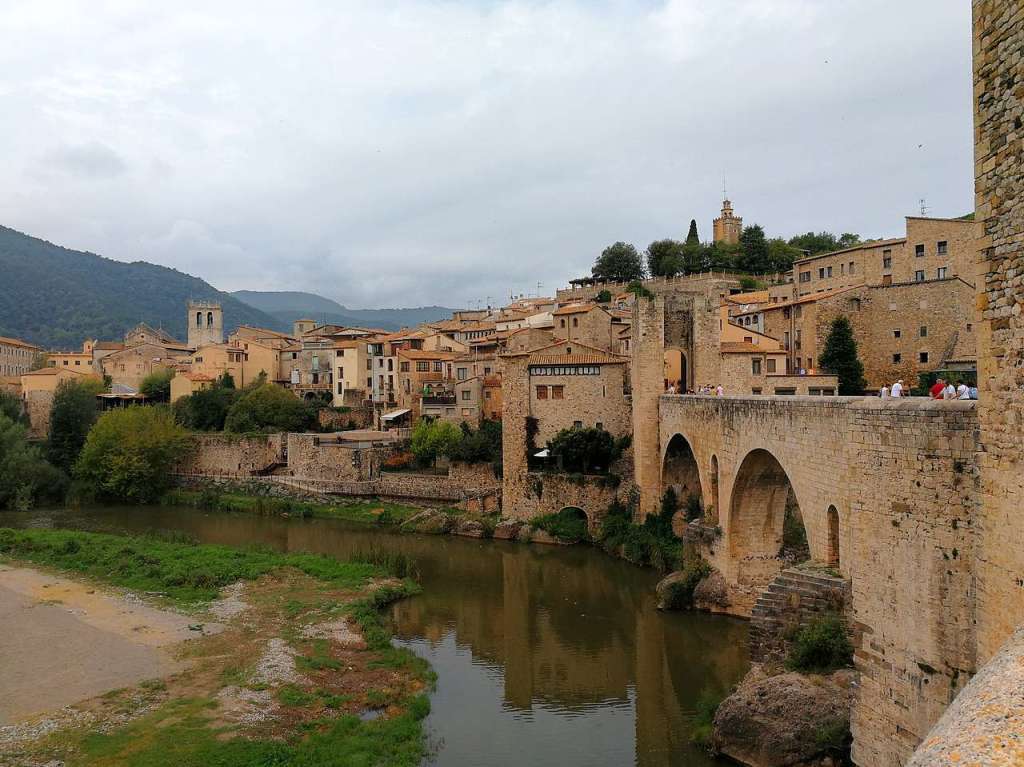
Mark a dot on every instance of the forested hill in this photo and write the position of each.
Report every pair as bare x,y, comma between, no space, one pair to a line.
288,306
57,297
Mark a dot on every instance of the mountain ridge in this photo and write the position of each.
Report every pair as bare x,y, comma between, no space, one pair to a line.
290,305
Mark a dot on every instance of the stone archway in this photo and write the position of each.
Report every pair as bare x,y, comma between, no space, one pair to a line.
675,370
679,471
766,531
833,536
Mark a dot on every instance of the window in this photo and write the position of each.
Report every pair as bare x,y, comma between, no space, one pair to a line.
404,367
919,250
941,272
896,359
853,266
422,366
828,271
785,313
557,392
842,268
755,366
369,364
897,333
756,390
922,356
575,322
785,391
341,373
561,322
798,312
542,392
391,365
810,362
487,371
369,383
942,248
577,424
340,353
466,394
805,276
821,273
771,365
599,426
341,387
923,332
295,355
487,394
65,363
461,373
919,276
887,259
438,367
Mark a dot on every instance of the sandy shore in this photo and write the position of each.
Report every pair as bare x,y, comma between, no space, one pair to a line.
65,641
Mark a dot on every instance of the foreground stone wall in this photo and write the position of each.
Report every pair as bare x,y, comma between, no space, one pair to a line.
234,456
316,456
999,191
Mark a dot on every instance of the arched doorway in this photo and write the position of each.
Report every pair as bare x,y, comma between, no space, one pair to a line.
675,371
571,524
833,536
679,472
766,531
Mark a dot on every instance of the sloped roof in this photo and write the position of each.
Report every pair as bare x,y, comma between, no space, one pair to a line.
576,309
745,347
18,342
577,359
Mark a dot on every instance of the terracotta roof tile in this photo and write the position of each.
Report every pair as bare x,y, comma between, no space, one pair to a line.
576,359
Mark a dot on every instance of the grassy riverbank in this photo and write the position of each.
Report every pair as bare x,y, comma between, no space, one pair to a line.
302,672
367,512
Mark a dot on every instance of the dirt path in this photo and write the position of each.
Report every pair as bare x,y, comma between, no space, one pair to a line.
64,641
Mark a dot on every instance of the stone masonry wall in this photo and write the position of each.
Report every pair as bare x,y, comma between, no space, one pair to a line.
321,457
232,456
999,190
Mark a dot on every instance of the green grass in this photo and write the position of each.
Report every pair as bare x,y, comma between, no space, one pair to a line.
704,718
183,572
180,733
372,512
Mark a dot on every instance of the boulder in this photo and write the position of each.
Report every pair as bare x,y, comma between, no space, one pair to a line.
543,536
507,530
785,720
470,528
665,587
430,522
711,593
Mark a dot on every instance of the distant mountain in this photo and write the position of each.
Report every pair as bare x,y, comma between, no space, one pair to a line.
288,306
57,297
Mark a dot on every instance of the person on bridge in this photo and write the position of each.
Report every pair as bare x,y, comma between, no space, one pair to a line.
884,391
949,392
937,387
963,391
897,389
719,391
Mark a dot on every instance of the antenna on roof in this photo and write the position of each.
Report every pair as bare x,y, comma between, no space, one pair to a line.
924,208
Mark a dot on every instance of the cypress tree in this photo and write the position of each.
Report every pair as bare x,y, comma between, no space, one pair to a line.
840,357
691,236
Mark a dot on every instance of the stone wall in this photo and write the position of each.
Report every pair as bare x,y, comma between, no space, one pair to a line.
38,405
586,399
550,493
360,417
999,189
316,456
234,456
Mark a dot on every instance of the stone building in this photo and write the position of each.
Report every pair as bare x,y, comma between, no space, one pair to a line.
205,323
727,227
16,356
37,390
587,323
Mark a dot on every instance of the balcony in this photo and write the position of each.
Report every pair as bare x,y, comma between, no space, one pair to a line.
438,399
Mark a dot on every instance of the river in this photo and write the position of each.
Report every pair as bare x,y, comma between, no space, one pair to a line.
546,656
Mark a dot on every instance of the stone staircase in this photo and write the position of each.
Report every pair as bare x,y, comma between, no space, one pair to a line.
791,601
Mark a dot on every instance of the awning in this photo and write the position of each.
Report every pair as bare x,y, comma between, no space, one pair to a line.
542,454
394,414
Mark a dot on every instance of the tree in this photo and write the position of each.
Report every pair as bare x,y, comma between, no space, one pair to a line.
227,381
665,258
72,414
10,406
157,385
619,263
604,297
206,409
25,477
583,450
781,255
692,238
753,255
840,357
433,439
130,453
269,408
823,242
480,445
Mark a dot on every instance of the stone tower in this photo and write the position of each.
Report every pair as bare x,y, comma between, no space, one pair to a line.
728,226
205,323
647,385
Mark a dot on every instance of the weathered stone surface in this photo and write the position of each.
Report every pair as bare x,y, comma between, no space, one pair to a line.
778,721
470,528
429,522
664,589
543,536
711,593
508,529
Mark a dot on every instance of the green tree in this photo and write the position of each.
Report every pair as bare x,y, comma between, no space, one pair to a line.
604,297
719,256
10,406
206,409
692,238
840,357
618,263
753,255
433,439
130,453
269,408
227,381
72,414
781,255
665,258
823,242
583,450
25,477
481,445
157,385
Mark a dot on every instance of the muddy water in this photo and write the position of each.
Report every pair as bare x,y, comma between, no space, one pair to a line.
546,656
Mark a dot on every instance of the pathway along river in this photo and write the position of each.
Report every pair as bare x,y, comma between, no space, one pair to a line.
546,655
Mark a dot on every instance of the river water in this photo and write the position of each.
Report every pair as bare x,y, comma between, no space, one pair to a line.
546,656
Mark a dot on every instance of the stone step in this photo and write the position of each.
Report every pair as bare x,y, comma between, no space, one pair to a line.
815,578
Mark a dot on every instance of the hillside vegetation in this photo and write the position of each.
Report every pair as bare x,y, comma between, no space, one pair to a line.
56,297
288,306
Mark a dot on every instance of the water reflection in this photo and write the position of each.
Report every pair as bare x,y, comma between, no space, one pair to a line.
545,655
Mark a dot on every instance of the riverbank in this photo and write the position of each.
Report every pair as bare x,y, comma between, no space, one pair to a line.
290,664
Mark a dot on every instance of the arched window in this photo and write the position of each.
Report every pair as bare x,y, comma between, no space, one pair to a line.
209,319
833,536
199,319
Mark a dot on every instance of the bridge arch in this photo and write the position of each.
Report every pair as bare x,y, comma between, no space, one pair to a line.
766,528
681,471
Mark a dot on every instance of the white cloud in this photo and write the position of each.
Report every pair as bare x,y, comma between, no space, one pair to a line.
386,152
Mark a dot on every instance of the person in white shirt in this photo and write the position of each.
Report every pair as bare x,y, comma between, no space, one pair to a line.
963,391
719,391
884,392
897,389
949,392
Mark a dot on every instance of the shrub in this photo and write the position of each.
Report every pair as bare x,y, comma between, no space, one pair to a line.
651,543
480,445
72,414
268,407
821,646
603,297
693,508
583,451
10,406
206,409
569,524
679,594
25,477
433,439
129,454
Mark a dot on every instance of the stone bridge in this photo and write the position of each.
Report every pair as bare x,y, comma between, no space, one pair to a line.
888,494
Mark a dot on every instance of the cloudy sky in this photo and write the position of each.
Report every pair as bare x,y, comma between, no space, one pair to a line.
389,153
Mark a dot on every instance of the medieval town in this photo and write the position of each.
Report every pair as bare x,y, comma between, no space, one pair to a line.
729,500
